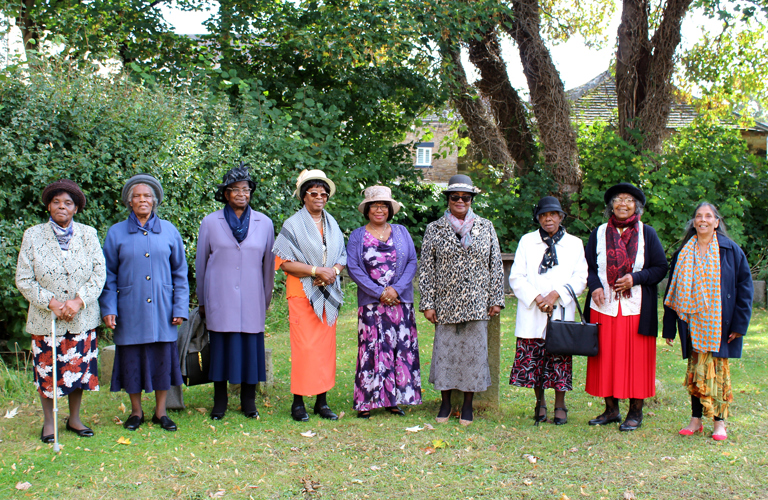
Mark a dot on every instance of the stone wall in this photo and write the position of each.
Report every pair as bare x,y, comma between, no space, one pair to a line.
442,168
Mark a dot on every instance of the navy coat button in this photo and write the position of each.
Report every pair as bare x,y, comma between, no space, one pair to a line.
149,300
145,233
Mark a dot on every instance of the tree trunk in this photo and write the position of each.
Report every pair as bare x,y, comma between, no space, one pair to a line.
507,107
483,130
644,70
29,29
550,105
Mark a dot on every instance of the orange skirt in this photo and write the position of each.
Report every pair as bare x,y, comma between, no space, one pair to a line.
313,350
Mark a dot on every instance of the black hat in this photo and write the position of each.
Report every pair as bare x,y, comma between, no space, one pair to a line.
547,204
70,187
461,183
624,187
236,174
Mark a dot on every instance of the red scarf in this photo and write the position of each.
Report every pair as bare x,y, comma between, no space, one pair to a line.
621,250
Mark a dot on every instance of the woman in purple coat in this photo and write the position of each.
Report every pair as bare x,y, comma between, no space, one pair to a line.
381,259
235,273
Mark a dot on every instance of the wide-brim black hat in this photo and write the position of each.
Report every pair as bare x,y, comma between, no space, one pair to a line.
624,187
70,187
236,174
547,204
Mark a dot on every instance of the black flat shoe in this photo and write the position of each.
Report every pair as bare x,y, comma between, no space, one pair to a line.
165,422
85,433
299,414
134,422
326,413
606,419
395,410
251,414
215,415
46,438
631,424
537,417
364,414
561,421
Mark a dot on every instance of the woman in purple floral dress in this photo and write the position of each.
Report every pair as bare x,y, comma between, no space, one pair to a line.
381,259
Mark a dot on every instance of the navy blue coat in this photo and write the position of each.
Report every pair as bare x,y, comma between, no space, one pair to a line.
653,271
146,282
735,293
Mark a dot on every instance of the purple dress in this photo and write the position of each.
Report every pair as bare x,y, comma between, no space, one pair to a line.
388,369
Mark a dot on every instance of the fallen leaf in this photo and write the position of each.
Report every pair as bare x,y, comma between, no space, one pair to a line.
415,428
583,493
492,447
527,482
428,450
375,467
573,450
439,443
402,447
310,486
117,420
23,486
341,415
564,497
308,434
666,458
628,495
12,413
122,440
429,427
201,410
530,458
356,481
589,403
216,494
293,448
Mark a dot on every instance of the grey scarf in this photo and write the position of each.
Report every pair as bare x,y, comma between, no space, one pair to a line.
300,241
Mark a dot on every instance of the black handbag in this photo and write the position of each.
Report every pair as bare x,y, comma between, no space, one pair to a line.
197,367
571,338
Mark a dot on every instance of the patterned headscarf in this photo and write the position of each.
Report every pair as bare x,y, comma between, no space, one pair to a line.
550,254
63,235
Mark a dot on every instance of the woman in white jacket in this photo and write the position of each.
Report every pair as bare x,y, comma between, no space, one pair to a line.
545,262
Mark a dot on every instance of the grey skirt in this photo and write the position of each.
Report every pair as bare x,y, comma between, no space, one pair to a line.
460,357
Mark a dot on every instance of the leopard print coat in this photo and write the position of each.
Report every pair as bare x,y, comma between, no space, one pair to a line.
460,285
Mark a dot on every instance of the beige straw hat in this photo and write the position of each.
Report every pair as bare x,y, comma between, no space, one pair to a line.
378,193
310,175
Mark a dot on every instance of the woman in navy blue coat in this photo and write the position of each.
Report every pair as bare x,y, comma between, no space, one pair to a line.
145,298
709,301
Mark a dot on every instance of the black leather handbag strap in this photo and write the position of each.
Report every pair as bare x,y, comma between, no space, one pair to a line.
576,300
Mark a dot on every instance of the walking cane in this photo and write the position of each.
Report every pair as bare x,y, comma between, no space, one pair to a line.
55,388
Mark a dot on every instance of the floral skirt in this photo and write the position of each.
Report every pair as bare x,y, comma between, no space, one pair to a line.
535,367
709,379
76,363
388,369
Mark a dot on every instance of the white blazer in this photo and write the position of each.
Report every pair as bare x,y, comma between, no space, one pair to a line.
527,283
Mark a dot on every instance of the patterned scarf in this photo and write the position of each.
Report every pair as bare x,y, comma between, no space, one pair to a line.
239,226
63,235
300,241
148,225
621,250
694,294
550,254
462,227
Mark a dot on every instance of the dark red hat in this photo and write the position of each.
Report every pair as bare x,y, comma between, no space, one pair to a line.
67,185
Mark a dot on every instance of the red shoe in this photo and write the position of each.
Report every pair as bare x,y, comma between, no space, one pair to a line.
719,437
687,432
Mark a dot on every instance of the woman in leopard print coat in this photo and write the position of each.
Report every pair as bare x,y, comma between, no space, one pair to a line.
460,280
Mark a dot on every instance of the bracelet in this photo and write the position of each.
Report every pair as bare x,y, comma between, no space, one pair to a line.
314,268
337,270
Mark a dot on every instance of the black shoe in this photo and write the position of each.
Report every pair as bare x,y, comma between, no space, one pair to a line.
364,414
165,422
395,410
605,418
48,438
634,415
85,433
630,425
561,421
537,417
215,415
251,413
299,414
325,412
134,422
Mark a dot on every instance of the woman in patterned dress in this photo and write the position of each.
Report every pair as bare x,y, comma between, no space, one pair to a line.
546,261
381,259
61,272
461,283
709,301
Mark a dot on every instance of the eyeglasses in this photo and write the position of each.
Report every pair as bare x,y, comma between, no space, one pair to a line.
379,207
240,191
466,198
623,201
315,194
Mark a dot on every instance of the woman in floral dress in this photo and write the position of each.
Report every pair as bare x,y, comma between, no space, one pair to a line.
381,259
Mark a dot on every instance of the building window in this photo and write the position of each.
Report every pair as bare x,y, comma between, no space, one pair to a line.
424,154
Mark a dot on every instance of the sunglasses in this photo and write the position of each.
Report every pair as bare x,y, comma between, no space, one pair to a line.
466,198
315,194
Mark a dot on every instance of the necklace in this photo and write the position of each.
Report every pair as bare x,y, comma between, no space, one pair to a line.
381,236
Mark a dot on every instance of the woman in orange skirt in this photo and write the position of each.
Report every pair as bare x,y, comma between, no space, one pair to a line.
626,262
310,250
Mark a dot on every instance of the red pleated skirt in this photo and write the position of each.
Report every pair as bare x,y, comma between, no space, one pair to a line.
625,366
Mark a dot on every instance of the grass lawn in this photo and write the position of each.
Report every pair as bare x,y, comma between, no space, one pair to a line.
379,458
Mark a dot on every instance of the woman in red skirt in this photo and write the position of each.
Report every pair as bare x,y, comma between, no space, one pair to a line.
626,262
